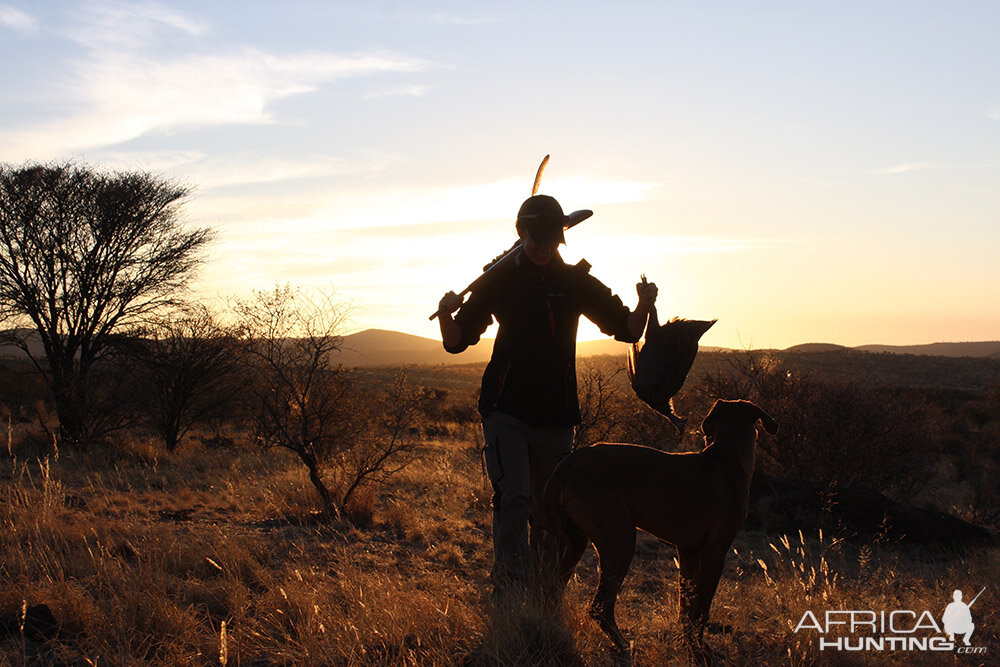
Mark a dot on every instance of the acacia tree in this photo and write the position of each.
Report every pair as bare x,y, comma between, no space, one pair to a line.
84,253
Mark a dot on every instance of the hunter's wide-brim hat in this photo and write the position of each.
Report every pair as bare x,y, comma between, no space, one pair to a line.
542,217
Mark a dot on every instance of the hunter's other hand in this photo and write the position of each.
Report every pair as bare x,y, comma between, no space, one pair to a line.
647,295
449,303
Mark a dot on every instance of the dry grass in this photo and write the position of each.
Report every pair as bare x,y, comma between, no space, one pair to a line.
215,556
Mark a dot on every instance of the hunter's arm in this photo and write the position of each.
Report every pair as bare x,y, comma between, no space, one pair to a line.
451,332
463,329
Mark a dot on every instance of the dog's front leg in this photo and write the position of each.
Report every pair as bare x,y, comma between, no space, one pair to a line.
712,563
687,593
615,544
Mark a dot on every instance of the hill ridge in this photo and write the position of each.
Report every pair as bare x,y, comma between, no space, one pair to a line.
387,347
373,347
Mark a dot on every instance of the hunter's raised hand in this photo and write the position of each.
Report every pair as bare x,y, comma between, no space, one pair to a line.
451,333
637,318
449,303
647,295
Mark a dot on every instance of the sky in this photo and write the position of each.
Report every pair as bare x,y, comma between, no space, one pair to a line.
802,171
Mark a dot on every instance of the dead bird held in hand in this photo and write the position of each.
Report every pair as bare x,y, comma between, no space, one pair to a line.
658,368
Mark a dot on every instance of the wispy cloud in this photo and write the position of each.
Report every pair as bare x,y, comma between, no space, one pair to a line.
125,90
155,161
123,25
993,112
250,169
212,173
907,167
16,19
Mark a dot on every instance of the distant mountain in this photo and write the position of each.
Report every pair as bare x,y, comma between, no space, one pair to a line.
972,349
988,349
379,347
589,348
817,347
10,351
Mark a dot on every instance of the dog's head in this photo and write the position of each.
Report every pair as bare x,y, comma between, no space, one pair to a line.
735,413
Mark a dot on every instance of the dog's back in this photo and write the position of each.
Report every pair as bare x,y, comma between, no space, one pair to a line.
664,492
686,499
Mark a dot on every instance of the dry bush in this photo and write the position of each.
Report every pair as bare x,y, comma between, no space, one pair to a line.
835,431
189,365
972,443
23,392
347,435
387,421
612,413
603,397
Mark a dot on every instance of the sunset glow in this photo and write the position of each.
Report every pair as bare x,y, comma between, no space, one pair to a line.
802,172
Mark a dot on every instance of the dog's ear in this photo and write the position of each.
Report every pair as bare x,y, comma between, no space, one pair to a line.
708,425
769,424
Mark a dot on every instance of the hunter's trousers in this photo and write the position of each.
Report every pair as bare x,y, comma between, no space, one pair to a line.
519,460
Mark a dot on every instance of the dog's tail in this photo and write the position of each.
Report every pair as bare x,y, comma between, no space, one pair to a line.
557,523
551,503
555,538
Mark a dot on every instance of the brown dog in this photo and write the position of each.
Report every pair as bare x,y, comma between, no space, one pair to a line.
696,501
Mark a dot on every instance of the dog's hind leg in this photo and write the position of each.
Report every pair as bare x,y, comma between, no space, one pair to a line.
571,554
563,543
560,552
615,544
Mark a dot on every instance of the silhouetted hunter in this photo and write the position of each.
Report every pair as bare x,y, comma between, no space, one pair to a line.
528,400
